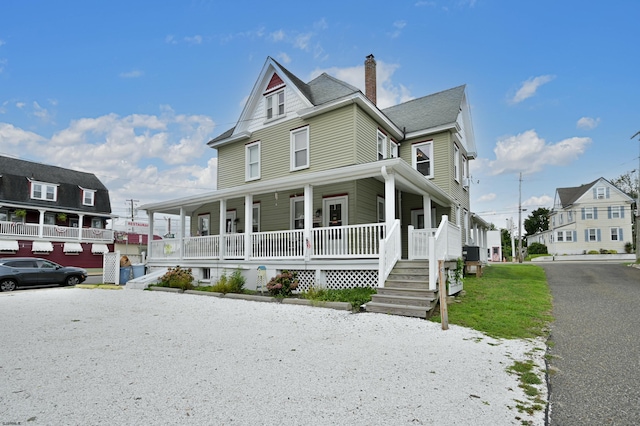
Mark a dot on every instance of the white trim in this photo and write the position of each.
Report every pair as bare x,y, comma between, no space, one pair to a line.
414,154
247,161
295,150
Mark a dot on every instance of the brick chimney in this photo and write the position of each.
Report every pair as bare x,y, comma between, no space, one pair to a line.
370,78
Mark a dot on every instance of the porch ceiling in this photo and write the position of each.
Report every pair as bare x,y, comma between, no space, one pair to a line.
407,179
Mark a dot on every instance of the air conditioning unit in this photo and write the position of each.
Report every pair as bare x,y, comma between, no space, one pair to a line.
466,182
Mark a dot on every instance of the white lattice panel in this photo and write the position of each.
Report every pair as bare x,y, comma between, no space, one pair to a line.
339,280
306,279
111,267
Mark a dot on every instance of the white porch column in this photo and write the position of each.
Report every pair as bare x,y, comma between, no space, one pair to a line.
426,208
223,227
41,224
248,225
308,220
182,232
149,237
389,198
80,223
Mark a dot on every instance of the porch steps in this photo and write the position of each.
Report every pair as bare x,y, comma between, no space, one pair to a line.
406,292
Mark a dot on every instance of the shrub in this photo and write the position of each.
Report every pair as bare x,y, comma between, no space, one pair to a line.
357,296
628,247
593,252
233,284
177,278
283,284
537,248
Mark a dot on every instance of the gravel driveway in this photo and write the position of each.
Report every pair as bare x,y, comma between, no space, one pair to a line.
74,356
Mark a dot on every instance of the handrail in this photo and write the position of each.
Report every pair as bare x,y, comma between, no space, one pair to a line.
390,252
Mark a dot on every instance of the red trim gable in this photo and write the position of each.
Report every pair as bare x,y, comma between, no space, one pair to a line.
275,82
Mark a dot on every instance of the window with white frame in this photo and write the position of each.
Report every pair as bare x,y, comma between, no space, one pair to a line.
601,193
467,225
591,234
564,236
423,158
560,236
561,218
256,217
465,167
616,234
88,197
616,212
394,150
382,145
590,213
252,161
275,105
300,148
97,222
381,207
570,216
456,163
44,191
203,224
297,213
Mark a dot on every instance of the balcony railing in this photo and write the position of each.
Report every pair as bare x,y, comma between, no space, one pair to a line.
55,233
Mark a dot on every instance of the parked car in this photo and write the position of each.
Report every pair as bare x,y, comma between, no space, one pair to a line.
33,271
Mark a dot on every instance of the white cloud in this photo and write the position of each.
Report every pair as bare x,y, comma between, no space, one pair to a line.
196,39
487,197
398,25
537,202
302,41
588,123
132,74
529,153
145,157
20,105
284,58
170,39
42,113
321,24
529,88
277,36
2,42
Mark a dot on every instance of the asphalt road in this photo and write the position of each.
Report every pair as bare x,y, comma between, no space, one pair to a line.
595,344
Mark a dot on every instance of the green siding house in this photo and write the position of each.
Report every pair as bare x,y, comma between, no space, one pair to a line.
317,179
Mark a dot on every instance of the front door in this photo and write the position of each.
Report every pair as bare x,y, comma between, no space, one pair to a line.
336,216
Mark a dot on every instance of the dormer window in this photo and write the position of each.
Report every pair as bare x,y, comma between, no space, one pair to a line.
88,197
44,191
275,105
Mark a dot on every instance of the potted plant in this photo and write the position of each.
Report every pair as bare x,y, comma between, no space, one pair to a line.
20,213
62,217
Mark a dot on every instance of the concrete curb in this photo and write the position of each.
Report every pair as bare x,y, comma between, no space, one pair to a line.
167,289
341,306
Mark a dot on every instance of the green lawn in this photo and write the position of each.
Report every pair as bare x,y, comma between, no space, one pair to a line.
508,301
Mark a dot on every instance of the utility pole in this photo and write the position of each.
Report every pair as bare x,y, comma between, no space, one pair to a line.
132,209
513,243
520,219
638,204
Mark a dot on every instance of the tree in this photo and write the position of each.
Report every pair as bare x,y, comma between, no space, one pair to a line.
505,237
627,183
537,221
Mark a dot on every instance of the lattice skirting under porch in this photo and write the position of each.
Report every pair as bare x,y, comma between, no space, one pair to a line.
336,279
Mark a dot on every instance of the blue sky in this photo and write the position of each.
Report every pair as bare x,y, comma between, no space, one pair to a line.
133,90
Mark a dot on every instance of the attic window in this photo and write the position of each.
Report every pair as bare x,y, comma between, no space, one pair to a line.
44,191
88,197
275,105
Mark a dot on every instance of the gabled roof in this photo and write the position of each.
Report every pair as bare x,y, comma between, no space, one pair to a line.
428,111
568,196
15,175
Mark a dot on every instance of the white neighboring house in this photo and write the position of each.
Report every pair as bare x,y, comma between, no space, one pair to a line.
592,217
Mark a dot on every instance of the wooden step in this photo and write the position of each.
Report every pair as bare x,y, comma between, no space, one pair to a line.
403,310
402,300
413,283
407,292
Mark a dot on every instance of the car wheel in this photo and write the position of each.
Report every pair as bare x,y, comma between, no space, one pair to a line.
7,285
72,280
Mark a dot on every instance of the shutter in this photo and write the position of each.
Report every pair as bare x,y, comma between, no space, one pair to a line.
620,237
595,194
608,192
609,212
586,235
622,212
598,235
595,212
583,217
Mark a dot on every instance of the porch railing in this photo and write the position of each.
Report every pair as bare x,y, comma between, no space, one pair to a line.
52,232
283,244
355,241
447,245
418,242
390,251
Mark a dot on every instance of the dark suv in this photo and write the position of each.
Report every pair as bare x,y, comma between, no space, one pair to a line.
33,271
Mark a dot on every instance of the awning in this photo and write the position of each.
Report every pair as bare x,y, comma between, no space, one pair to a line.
8,245
99,249
42,246
72,248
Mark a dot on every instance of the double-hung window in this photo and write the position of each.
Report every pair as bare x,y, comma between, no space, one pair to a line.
297,213
601,193
590,213
44,191
423,158
275,105
616,212
615,234
394,150
382,145
456,163
252,161
88,197
300,148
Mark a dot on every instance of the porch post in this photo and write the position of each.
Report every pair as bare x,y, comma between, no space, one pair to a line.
308,221
248,225
41,224
223,227
426,208
182,233
149,237
389,198
80,223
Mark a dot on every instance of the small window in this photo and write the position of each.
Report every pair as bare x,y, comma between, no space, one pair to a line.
394,150
456,163
252,161
423,158
616,212
615,234
382,145
97,223
601,193
203,224
275,105
256,217
570,216
88,197
297,213
588,213
592,234
44,191
381,210
569,236
560,236
49,219
300,149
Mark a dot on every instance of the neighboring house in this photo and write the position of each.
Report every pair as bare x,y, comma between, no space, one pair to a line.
132,243
587,218
494,246
317,179
54,213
